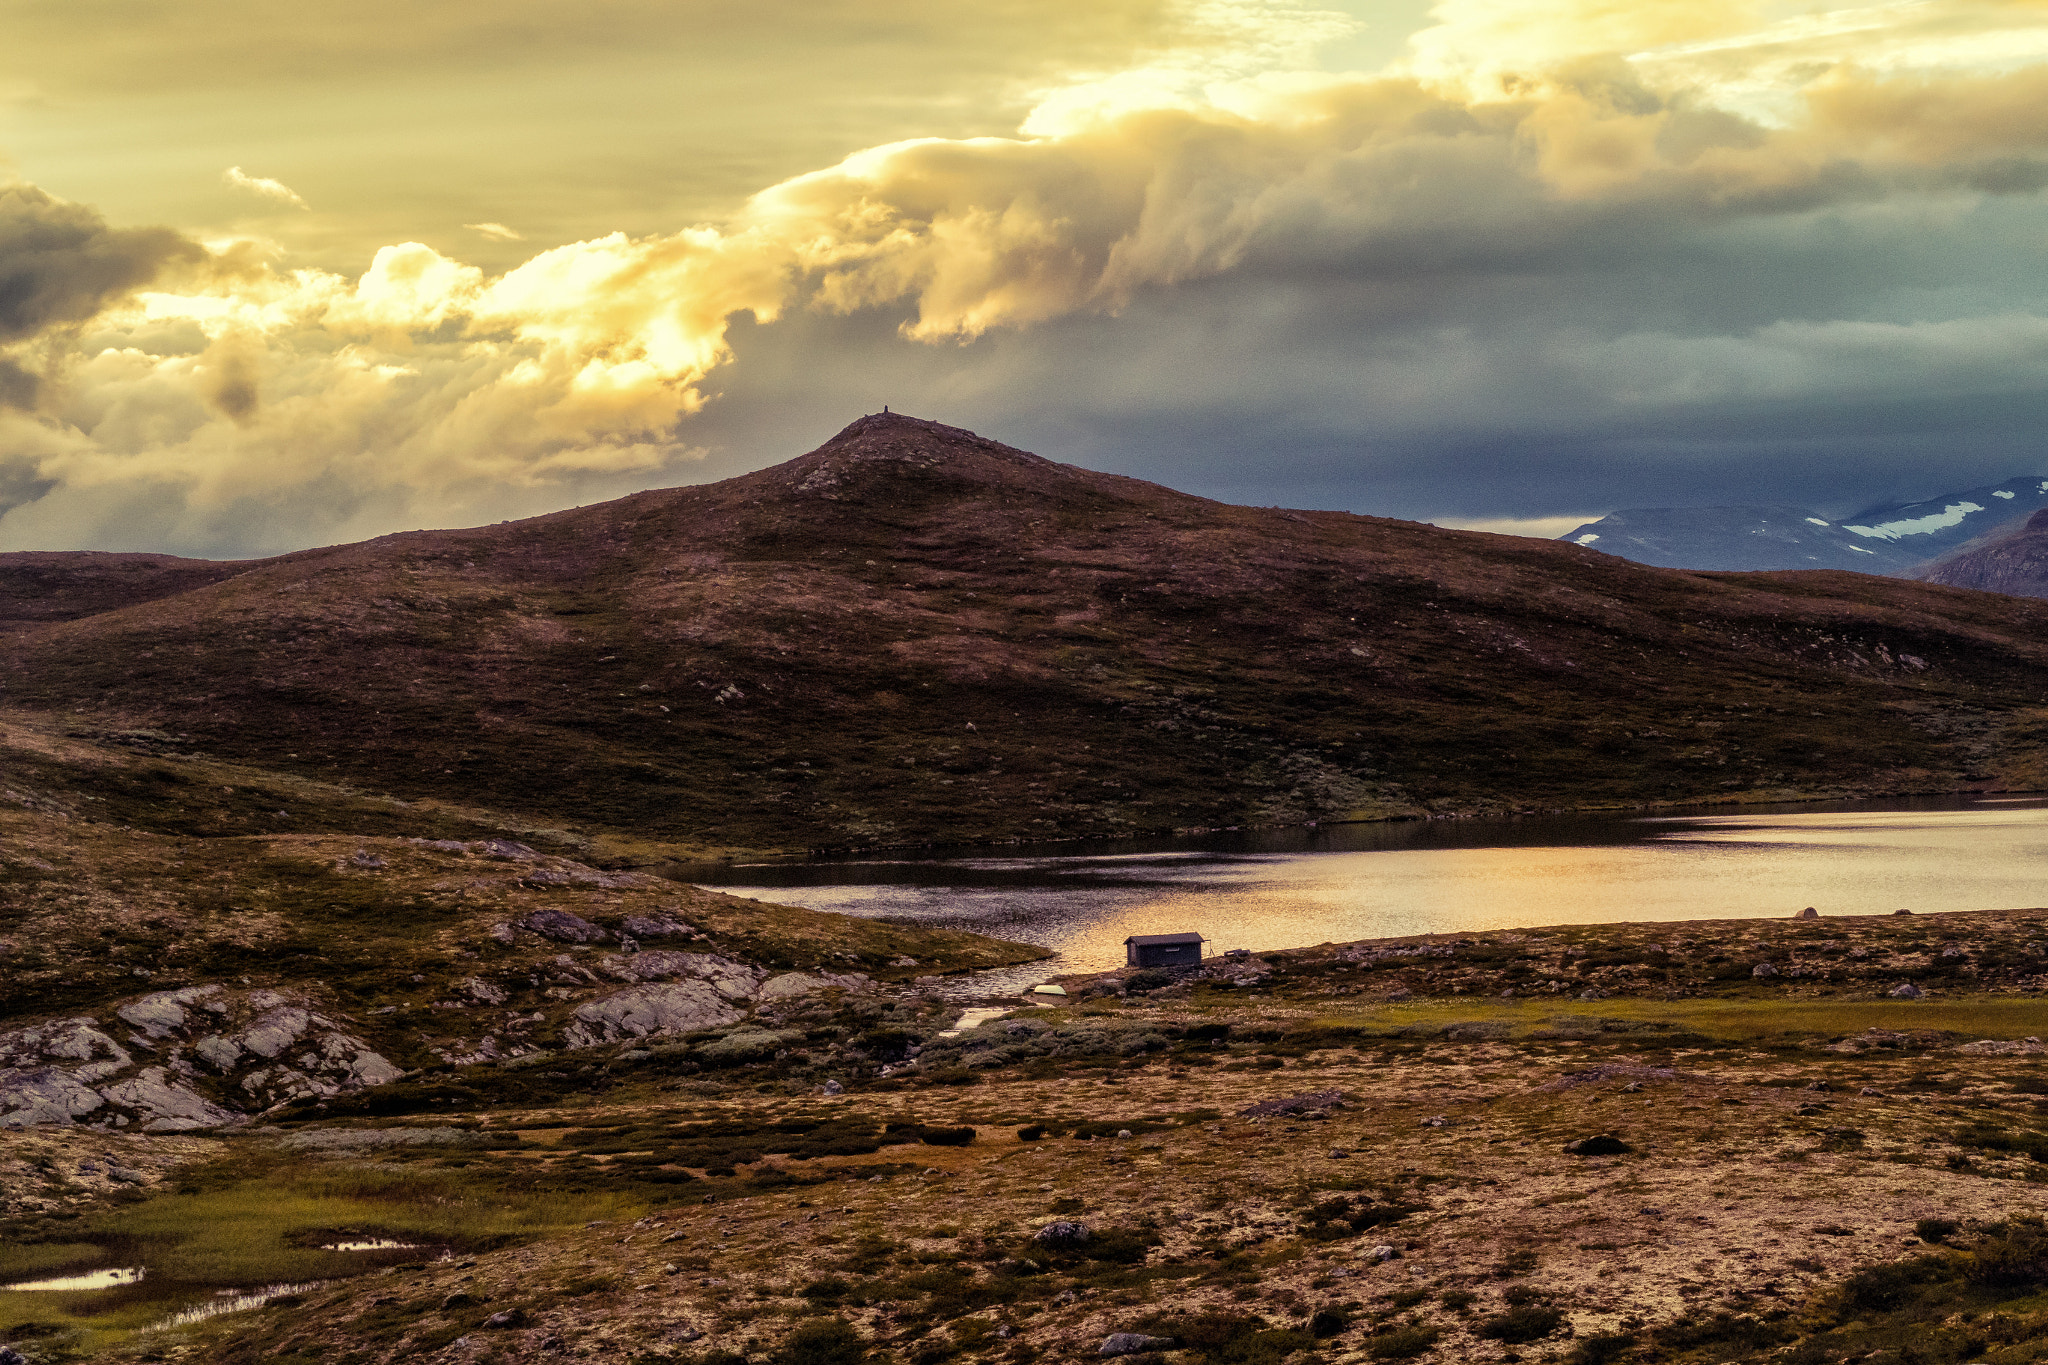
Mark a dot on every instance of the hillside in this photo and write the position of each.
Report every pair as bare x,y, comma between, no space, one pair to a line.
914,633
2016,563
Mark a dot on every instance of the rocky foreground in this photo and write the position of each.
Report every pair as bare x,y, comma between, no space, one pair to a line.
1729,1141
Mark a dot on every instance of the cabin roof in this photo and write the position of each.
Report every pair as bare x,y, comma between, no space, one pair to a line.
1150,940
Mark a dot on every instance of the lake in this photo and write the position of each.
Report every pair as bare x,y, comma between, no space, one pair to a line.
1289,888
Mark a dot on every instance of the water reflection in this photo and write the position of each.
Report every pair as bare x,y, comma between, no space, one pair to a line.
95,1279
1290,888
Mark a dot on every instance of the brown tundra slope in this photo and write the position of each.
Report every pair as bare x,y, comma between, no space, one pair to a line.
914,633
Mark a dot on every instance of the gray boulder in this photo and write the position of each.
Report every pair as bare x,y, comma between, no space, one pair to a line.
656,926
170,1107
275,1030
642,1011
1905,991
162,1014
44,1095
1061,1234
562,927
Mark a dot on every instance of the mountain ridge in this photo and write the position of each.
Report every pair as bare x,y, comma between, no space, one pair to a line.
914,633
1898,539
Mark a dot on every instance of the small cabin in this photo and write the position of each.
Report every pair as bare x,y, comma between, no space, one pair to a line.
1163,950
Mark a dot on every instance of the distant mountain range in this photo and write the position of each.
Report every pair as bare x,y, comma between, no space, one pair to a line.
1901,540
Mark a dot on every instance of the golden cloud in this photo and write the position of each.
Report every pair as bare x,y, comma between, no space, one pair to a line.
1513,127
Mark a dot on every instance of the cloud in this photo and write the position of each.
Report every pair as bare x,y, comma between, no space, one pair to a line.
497,232
269,189
1540,528
60,265
1551,224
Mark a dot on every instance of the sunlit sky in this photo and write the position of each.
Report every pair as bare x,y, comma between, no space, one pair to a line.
275,276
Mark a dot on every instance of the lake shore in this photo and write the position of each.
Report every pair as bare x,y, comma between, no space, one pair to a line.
1351,1152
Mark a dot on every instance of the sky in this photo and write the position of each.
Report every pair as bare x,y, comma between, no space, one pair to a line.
279,276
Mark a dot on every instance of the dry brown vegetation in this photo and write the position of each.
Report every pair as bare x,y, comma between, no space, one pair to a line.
1800,1164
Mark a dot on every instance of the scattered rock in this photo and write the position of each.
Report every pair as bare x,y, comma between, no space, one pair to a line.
1763,969
481,991
1434,1121
506,849
788,986
656,926
1382,1252
562,927
833,1088
1314,1102
1131,1343
1905,990
511,1317
366,861
1993,1047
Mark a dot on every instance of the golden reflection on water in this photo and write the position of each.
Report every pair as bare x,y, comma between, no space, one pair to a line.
1695,867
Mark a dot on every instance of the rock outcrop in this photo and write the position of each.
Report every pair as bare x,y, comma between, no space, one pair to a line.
209,1057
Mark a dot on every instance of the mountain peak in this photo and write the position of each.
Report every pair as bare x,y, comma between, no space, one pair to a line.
889,452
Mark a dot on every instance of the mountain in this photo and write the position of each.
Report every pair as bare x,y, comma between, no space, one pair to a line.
39,587
1891,538
914,633
2016,563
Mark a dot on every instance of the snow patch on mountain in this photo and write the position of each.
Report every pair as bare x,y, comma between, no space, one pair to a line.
1951,515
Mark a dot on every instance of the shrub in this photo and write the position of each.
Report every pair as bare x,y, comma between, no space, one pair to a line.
1600,1350
1883,1288
946,1137
1604,1145
1403,1343
1328,1322
1936,1229
1526,1322
1031,1132
823,1341
2016,1258
1457,1300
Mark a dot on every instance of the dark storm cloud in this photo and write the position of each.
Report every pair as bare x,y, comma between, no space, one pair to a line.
62,263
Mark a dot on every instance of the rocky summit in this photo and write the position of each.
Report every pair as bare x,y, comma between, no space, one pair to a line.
917,634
